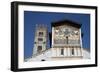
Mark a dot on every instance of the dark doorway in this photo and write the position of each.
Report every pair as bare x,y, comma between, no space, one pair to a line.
43,60
39,49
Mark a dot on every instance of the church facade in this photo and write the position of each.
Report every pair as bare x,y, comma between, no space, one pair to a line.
66,42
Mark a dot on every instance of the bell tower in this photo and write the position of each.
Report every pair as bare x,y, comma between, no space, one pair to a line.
40,39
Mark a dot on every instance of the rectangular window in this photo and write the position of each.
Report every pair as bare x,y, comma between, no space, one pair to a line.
72,51
62,51
40,33
66,40
40,39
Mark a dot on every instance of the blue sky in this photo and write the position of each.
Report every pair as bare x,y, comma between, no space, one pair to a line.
32,18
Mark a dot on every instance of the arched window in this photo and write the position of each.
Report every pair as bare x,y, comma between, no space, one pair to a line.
39,48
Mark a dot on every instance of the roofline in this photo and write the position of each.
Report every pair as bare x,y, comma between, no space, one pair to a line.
71,23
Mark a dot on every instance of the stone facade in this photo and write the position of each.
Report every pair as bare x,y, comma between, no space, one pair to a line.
66,41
